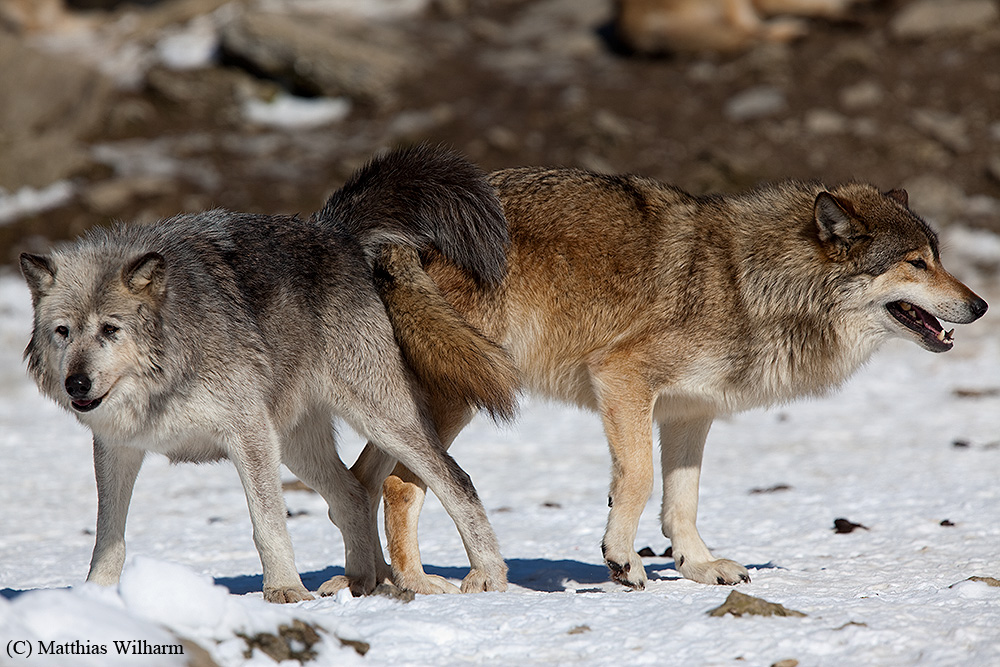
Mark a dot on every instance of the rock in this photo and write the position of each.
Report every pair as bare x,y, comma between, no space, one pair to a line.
992,582
739,604
932,18
756,103
989,581
394,592
57,102
862,95
502,139
31,15
825,121
993,168
291,642
415,125
949,129
111,197
323,55
845,526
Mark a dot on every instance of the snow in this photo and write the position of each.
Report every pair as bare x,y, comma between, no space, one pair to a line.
910,448
191,46
291,112
28,200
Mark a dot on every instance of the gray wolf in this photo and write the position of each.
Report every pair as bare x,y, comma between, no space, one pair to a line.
651,306
659,26
230,335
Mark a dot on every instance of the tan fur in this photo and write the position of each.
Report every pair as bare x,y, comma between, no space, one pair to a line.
654,26
440,346
639,301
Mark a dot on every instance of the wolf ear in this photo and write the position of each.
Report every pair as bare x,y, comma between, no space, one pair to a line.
146,274
38,272
836,223
900,196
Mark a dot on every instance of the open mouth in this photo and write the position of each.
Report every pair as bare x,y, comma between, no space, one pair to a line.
916,319
87,405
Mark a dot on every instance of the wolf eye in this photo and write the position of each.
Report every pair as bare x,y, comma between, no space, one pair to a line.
110,330
62,331
918,263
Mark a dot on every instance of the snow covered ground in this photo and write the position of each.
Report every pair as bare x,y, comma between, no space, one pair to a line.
910,448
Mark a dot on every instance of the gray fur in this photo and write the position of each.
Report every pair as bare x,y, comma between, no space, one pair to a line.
240,336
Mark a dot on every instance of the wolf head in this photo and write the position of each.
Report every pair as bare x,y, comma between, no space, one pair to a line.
906,288
95,326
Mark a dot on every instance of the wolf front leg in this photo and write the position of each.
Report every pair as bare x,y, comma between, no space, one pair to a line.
626,411
255,450
115,469
311,453
682,443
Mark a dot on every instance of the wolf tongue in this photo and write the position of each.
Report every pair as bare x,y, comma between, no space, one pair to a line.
928,320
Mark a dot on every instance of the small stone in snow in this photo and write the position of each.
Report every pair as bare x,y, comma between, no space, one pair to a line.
845,526
739,604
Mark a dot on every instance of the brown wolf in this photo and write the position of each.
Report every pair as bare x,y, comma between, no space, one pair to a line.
649,305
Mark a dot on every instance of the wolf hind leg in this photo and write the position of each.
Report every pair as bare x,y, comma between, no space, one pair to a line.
682,443
311,454
412,440
455,490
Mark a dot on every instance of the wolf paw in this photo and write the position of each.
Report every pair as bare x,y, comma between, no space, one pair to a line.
478,581
286,594
425,584
359,586
630,573
722,572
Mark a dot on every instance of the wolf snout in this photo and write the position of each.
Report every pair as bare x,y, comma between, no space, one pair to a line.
963,310
78,385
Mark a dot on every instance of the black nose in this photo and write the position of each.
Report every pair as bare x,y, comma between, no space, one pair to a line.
979,308
78,385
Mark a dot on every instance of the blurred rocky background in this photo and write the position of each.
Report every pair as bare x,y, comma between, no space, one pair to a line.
138,110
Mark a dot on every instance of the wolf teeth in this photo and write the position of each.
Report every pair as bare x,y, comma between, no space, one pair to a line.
946,335
905,306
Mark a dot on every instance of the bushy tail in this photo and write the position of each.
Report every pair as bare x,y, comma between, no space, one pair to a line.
405,201
422,196
443,349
